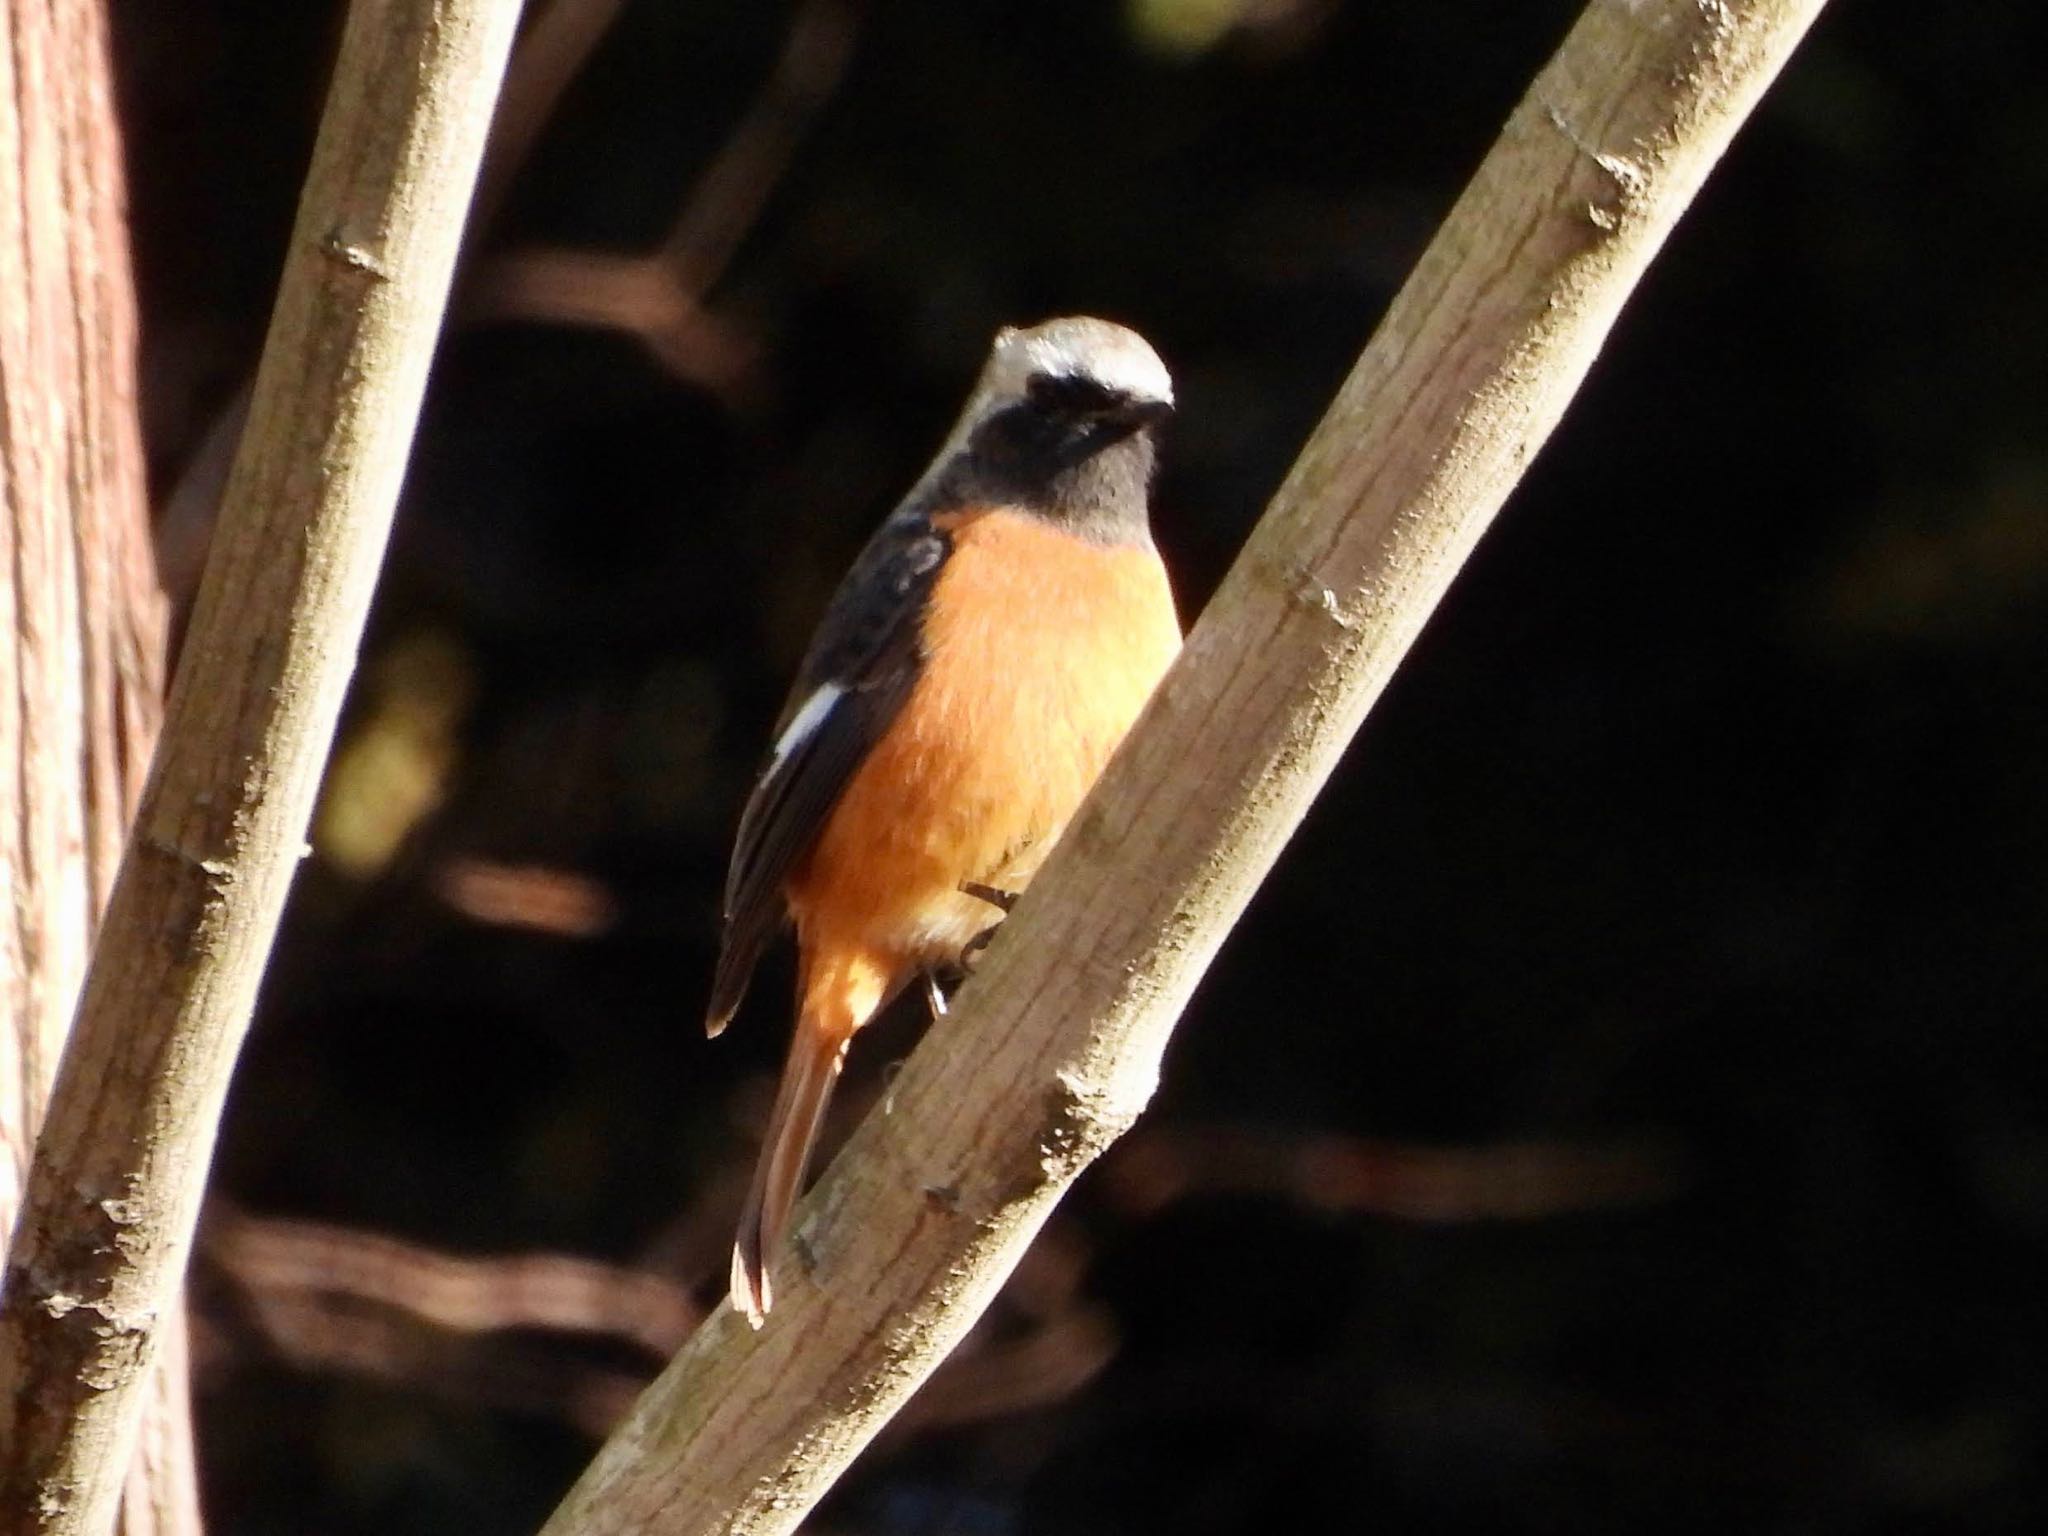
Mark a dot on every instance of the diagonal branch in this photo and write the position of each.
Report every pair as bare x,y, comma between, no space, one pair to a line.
1056,1044
114,1190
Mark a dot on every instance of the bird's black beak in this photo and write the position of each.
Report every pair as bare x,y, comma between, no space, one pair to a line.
1135,415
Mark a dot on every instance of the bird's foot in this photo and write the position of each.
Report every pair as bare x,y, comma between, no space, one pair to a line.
999,899
1002,901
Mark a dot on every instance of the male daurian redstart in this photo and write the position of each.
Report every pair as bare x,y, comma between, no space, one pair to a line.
970,677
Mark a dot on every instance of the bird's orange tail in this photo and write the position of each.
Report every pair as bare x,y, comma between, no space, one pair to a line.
808,1077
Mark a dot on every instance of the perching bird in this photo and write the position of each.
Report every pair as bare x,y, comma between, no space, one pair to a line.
971,676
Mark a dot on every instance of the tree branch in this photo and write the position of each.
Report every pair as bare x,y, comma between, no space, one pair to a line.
81,616
115,1186
556,42
1055,1045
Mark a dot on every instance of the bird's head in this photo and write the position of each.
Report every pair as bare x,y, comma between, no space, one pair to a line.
1061,422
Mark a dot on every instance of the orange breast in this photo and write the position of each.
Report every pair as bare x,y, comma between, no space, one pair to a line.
1041,651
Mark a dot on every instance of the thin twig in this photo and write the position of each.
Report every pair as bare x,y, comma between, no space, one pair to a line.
271,1257
637,296
729,197
538,1375
539,898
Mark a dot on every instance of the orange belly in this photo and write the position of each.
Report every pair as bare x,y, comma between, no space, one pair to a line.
1041,650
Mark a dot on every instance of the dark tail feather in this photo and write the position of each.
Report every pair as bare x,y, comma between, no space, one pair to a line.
729,982
808,1077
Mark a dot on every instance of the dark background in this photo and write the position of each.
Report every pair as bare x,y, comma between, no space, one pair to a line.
1623,1110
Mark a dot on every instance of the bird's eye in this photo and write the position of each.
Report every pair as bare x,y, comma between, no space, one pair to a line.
1068,394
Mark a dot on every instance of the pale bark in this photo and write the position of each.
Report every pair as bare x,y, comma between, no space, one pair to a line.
1055,1046
114,1190
81,619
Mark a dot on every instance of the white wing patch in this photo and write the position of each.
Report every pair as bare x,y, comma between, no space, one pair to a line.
803,725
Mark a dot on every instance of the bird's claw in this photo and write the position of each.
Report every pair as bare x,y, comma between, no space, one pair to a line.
999,899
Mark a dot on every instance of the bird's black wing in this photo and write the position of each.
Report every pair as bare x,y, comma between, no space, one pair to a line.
860,668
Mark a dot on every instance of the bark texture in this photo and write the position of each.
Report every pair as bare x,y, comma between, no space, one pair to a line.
1055,1047
81,618
114,1190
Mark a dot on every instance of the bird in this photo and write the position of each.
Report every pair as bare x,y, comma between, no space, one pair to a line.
970,677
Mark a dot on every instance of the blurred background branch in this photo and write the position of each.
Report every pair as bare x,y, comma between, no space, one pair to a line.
568,1338
658,298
